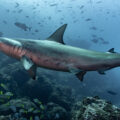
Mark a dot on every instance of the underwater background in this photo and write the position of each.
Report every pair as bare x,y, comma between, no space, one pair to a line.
92,24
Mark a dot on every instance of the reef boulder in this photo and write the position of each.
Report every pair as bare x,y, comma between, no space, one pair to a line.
93,108
55,112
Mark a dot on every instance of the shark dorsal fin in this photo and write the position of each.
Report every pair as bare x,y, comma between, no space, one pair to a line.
57,36
111,50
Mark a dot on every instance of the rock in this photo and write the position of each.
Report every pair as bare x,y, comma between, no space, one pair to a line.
4,98
4,117
93,108
55,112
64,99
36,88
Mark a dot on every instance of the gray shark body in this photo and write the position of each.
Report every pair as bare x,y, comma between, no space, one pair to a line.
52,53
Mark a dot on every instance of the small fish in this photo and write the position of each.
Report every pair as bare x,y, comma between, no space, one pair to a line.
37,101
13,108
1,92
82,12
42,107
36,118
5,22
99,2
59,10
8,10
103,41
31,109
1,34
22,105
49,17
22,26
36,30
19,11
17,5
88,19
93,28
95,40
27,16
94,36
81,7
31,118
111,92
55,4
99,40
34,8
9,94
57,116
4,86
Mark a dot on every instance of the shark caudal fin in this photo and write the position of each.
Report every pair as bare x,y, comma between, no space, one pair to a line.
57,36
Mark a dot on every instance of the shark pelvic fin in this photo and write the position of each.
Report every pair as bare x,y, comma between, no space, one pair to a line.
80,75
32,72
111,50
102,72
29,66
57,36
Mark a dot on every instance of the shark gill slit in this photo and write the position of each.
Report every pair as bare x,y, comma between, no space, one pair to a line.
13,51
16,51
20,51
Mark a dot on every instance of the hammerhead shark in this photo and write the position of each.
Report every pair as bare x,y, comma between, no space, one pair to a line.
53,53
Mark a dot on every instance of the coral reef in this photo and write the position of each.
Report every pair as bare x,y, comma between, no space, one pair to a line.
94,108
19,108
56,112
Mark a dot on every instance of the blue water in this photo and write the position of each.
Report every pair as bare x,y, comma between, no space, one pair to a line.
87,21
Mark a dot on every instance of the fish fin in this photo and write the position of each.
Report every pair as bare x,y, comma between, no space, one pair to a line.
102,72
32,72
26,62
57,36
80,75
111,50
29,66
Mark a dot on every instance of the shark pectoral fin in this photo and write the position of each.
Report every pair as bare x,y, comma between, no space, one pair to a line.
26,62
32,72
29,66
80,75
102,72
57,36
